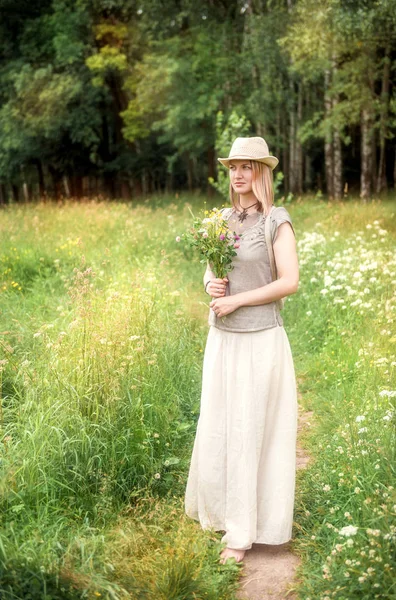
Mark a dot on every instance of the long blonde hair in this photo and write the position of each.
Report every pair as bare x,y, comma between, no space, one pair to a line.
262,186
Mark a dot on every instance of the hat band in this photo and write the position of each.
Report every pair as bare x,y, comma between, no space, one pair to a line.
248,156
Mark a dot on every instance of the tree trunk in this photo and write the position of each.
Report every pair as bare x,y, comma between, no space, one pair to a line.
337,180
299,151
307,183
381,183
25,190
278,130
292,141
144,182
328,147
3,194
41,180
366,126
337,152
66,187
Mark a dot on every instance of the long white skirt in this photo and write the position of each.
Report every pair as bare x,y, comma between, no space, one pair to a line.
242,473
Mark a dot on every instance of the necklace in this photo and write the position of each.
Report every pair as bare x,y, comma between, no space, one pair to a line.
244,213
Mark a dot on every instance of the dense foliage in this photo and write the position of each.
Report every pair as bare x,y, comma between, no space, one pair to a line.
123,97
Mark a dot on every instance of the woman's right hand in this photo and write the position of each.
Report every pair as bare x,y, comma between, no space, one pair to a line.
217,287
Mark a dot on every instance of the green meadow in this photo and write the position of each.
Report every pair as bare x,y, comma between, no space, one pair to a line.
103,322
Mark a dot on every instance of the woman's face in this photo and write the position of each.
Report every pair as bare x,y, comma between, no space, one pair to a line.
241,174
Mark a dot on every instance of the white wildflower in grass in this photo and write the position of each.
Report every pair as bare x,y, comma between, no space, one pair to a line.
326,488
348,530
357,490
388,393
349,542
360,418
362,430
356,302
157,476
309,313
373,532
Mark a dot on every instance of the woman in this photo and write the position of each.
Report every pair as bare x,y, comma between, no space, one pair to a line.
242,473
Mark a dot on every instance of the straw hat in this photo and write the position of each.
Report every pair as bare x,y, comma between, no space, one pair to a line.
253,148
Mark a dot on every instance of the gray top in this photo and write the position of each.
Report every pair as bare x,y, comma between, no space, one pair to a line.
251,270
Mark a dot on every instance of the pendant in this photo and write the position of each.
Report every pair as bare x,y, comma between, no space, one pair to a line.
243,215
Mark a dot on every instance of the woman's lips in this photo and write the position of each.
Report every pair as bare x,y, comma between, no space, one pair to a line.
239,184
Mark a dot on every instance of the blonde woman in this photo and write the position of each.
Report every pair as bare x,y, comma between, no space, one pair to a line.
242,473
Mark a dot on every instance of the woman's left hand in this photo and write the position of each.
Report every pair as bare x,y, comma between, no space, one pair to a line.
224,306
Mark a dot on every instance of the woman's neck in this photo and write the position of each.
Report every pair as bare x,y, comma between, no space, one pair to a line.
246,200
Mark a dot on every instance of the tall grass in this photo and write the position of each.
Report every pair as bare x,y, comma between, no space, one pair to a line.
343,337
103,324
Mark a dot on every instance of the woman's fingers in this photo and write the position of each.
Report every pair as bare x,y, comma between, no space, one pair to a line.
217,287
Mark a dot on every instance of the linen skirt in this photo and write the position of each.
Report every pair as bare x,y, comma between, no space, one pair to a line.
242,473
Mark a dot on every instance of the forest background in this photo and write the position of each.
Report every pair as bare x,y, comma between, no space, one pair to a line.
122,97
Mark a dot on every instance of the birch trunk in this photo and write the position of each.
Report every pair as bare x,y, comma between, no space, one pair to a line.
366,154
337,179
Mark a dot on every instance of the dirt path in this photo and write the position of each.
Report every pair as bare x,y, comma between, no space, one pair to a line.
269,571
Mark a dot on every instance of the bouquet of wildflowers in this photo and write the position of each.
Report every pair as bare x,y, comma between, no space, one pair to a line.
214,241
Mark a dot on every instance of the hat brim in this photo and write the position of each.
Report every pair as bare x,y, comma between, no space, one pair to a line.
271,161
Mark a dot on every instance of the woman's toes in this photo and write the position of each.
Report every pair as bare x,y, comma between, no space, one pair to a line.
231,553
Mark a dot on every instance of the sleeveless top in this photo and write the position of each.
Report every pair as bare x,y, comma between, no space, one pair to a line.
251,270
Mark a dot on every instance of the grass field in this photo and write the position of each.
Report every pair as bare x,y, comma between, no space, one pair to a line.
103,322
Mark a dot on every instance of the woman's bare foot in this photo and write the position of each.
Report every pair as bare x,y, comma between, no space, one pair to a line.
231,553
